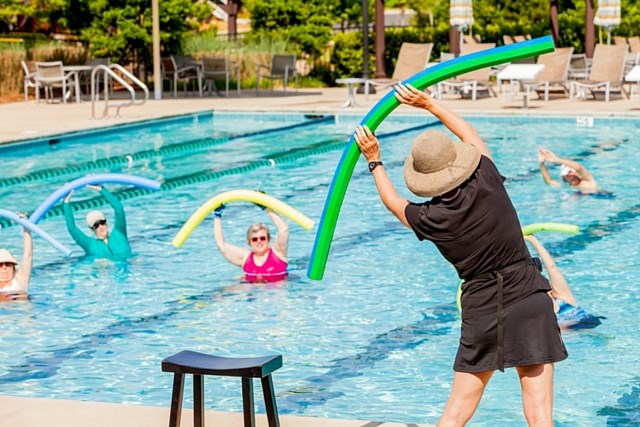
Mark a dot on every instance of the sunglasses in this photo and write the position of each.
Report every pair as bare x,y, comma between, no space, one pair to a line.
261,238
99,223
6,264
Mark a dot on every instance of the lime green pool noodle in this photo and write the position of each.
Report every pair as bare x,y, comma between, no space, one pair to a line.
550,226
383,108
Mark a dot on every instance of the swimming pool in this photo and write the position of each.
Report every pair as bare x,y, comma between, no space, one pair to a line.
376,338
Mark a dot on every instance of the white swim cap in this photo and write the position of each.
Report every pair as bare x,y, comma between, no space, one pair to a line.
565,170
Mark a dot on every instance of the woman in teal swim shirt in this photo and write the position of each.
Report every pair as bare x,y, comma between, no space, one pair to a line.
111,244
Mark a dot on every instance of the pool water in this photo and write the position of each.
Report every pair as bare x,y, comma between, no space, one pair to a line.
376,338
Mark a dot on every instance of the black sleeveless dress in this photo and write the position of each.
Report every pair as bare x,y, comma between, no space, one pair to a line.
507,317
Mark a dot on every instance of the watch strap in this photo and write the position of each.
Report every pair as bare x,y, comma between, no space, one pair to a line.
373,165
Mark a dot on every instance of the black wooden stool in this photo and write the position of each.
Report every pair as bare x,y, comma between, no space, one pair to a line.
198,364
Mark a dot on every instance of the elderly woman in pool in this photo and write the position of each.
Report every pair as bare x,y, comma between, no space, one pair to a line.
573,173
14,276
262,263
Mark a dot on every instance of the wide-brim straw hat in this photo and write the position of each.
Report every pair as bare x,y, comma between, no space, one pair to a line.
6,256
437,165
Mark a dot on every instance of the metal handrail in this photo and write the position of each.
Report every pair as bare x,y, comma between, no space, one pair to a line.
108,74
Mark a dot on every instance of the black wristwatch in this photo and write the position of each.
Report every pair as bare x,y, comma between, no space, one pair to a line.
373,165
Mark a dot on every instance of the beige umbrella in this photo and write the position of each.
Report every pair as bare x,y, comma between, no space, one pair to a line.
461,15
608,16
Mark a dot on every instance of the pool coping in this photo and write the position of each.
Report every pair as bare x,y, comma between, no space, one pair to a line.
38,412
25,121
584,120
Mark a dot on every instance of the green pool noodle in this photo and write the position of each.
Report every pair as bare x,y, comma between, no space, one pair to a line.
383,108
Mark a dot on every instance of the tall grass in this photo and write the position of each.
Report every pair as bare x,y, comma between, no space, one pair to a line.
249,52
11,74
11,55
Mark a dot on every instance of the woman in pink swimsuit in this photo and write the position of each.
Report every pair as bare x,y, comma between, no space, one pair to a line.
262,263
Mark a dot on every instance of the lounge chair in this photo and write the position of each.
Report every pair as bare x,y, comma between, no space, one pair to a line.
219,68
553,77
606,72
283,67
412,58
634,44
471,39
578,67
174,73
468,85
515,39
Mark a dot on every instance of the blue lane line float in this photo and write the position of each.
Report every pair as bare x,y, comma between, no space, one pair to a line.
37,230
111,178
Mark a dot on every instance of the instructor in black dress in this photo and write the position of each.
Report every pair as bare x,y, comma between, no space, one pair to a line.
507,317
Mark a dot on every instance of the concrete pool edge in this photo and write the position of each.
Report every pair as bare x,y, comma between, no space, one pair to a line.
32,121
37,412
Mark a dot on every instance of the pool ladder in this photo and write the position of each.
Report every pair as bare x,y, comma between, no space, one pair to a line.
108,73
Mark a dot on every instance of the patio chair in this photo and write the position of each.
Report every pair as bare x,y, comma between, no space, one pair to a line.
85,76
51,76
283,67
30,72
412,58
606,73
469,85
553,77
172,72
218,68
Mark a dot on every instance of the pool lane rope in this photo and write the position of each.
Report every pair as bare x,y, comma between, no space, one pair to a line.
98,179
37,230
205,176
167,150
383,108
239,195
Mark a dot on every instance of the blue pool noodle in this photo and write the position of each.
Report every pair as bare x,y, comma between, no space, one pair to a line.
97,179
35,229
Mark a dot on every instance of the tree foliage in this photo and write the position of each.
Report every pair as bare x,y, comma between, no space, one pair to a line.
122,29
305,25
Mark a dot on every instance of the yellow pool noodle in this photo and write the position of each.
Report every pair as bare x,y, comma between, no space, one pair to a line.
239,195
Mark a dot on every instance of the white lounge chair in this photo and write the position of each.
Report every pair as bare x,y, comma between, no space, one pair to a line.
412,58
606,72
468,85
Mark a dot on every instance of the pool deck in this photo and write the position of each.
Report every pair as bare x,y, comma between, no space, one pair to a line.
22,121
31,412
28,120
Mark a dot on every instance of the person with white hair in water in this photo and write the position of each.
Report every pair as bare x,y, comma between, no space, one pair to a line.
105,243
571,172
14,275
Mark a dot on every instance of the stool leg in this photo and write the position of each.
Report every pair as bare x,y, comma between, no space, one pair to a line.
198,404
270,401
176,400
247,403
